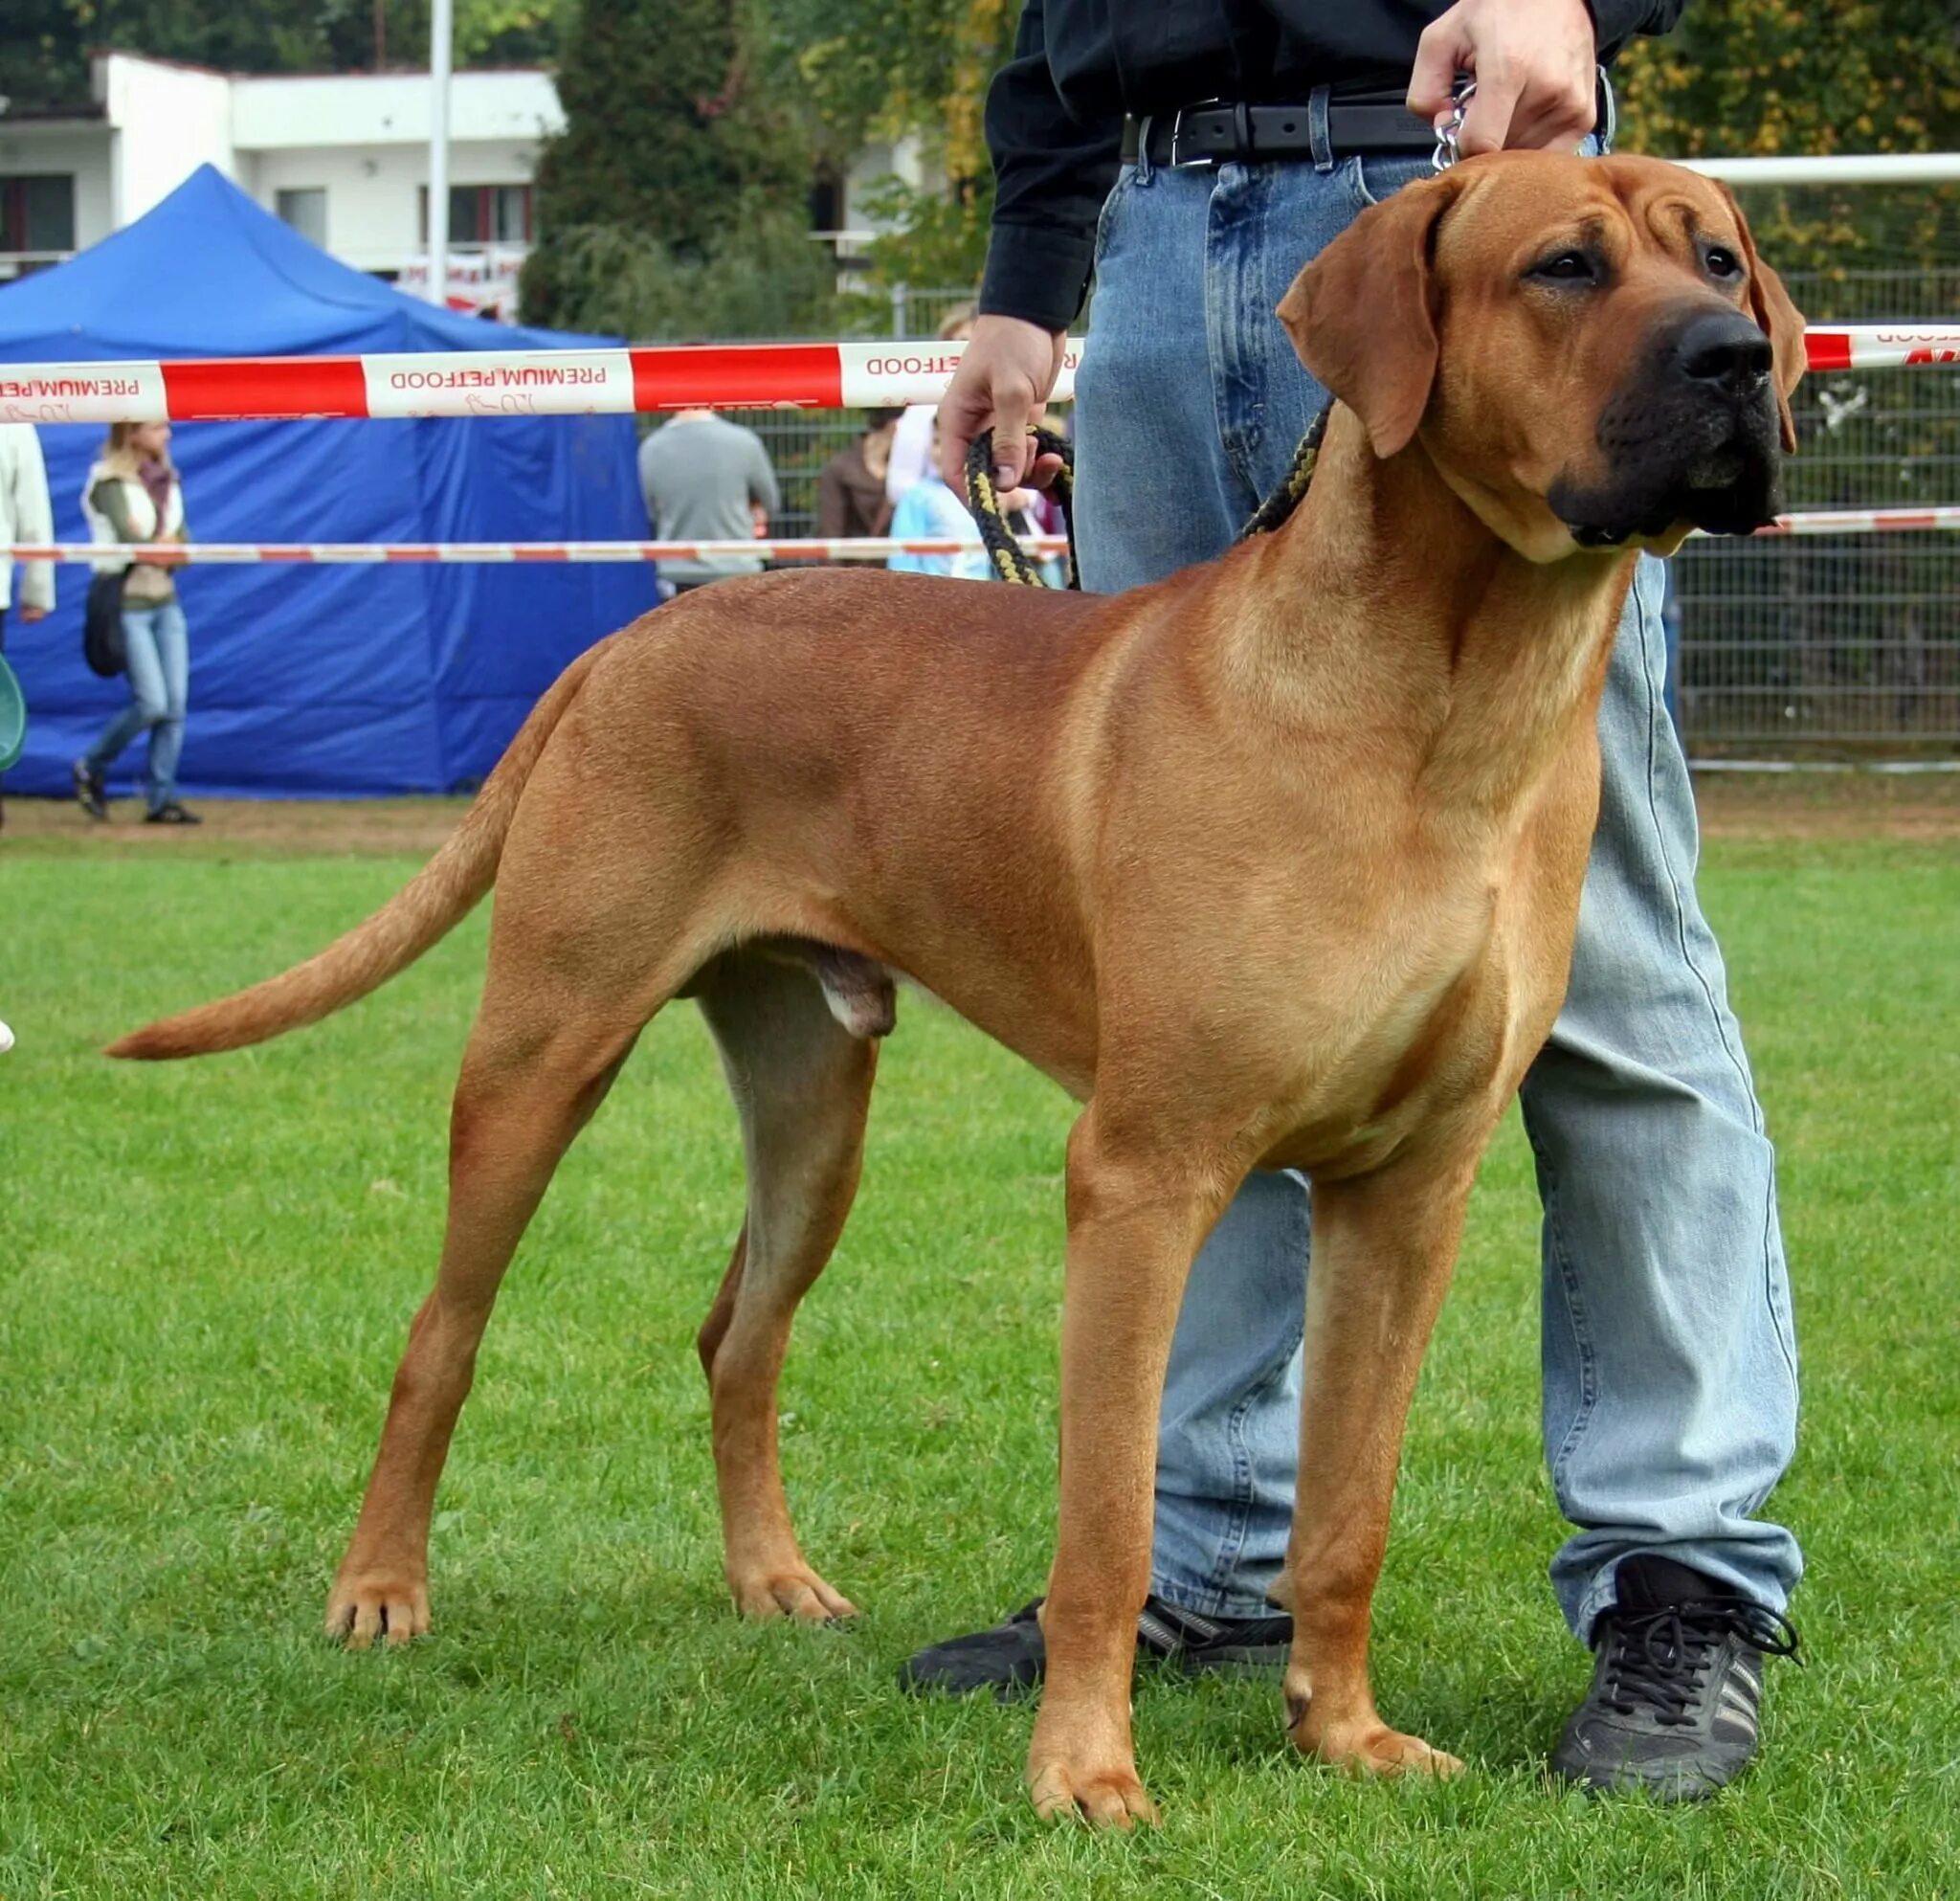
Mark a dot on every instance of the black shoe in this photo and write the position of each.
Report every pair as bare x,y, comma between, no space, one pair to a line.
1677,1688
1011,1657
89,793
172,813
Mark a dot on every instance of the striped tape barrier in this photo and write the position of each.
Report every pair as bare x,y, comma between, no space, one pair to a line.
617,382
488,382
1864,522
226,553
222,553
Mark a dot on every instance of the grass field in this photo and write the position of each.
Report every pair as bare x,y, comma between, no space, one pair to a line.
206,1271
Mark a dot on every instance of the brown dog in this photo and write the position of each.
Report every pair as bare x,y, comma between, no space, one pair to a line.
1274,865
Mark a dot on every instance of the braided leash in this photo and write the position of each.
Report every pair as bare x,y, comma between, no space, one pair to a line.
983,503
1010,559
1278,505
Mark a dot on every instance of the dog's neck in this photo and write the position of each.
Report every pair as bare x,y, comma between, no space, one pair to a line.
1486,659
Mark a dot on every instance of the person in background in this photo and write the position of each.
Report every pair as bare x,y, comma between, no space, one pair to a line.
1039,513
706,478
26,514
132,494
930,511
911,456
851,497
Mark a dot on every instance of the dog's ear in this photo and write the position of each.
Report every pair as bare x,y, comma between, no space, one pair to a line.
1776,316
1361,315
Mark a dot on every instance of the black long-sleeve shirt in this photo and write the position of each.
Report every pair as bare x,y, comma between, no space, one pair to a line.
1055,110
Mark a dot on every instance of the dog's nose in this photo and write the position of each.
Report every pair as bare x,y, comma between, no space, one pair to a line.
1724,352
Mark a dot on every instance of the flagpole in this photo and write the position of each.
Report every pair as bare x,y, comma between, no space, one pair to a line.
441,33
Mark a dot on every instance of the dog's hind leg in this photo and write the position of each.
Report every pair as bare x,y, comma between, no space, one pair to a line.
802,1084
563,1003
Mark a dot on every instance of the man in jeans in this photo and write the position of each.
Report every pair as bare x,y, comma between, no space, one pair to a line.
1198,155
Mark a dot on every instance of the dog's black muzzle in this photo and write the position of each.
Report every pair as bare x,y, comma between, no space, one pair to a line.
1694,436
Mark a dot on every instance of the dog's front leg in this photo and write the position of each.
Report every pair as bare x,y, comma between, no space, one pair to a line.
1135,1222
1384,1246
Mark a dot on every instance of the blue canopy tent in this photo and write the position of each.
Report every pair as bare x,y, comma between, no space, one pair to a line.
321,682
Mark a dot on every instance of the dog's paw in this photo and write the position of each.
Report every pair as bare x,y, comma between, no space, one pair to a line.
790,1590
1104,1796
1368,1747
369,1604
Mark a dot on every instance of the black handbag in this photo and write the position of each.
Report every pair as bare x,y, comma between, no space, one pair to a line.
102,645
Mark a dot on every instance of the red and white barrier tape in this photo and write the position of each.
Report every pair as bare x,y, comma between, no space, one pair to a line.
223,553
614,382
489,382
238,554
1879,346
1864,522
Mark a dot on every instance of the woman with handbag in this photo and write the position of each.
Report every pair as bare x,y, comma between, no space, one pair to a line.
133,495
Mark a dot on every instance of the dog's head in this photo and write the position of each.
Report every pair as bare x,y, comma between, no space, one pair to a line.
1590,350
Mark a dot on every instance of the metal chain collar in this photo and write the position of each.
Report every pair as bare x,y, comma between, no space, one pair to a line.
1449,135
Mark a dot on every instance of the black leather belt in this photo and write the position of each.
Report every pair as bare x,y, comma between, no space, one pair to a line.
1211,133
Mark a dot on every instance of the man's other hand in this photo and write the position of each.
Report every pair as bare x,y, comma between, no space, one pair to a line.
31,615
1002,381
1534,62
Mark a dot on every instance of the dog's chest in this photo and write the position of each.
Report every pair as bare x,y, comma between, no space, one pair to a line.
1408,1039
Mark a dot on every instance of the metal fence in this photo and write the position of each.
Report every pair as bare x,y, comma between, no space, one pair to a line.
1842,647
1830,647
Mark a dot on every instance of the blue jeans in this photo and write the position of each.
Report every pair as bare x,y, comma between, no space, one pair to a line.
158,645
1669,1362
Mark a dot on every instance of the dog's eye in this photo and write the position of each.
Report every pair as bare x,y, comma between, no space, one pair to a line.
1722,263
1566,267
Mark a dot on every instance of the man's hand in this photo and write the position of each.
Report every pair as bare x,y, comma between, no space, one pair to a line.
31,615
1001,383
1534,63
759,520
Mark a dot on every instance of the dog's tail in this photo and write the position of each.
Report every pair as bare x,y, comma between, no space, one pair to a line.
418,916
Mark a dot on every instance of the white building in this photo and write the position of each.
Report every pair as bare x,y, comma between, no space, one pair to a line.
341,157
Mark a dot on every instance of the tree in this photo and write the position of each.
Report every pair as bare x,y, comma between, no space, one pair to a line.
1745,76
1742,78
44,51
678,155
889,67
41,58
893,68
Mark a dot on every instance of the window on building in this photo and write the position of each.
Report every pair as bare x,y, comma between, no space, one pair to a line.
37,214
305,210
484,213
827,200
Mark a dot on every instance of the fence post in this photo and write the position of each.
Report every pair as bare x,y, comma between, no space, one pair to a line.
900,315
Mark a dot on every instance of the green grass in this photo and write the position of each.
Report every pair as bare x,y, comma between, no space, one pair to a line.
205,1274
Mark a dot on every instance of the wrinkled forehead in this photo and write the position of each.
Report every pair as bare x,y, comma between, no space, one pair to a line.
1514,206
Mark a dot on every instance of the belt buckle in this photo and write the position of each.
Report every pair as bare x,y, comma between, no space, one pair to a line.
1177,161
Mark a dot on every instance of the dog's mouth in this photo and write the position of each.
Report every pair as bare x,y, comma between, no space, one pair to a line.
1677,458
1718,470
1730,487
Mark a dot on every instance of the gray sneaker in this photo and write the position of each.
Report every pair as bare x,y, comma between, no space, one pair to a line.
1676,1687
